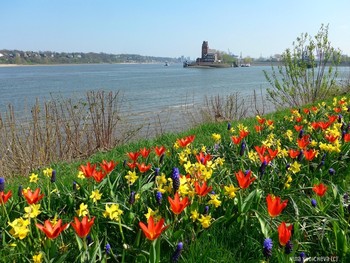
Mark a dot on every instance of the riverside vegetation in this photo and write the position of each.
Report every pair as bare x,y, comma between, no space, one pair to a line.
275,184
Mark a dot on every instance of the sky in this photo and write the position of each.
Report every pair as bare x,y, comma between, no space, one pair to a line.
255,28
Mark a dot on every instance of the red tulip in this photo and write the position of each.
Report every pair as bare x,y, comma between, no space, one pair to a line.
310,154
159,150
183,142
108,166
244,180
152,231
88,169
284,233
145,152
83,228
133,156
52,231
274,205
176,205
99,175
320,189
202,190
143,167
4,197
32,198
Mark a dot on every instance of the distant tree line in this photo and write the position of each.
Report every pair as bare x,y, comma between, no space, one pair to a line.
48,57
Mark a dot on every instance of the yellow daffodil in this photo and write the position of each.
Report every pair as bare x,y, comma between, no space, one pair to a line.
194,215
216,137
295,167
48,172
288,181
20,228
205,221
214,200
32,211
33,178
289,135
230,191
152,213
83,210
219,161
95,196
37,258
131,177
113,212
81,175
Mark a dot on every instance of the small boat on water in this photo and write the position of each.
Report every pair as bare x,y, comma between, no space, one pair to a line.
166,64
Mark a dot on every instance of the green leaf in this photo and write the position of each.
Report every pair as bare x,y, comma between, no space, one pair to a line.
265,228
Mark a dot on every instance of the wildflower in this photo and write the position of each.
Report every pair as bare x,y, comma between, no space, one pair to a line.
33,178
88,169
244,180
288,248
194,215
230,191
88,240
284,233
143,167
206,210
20,191
152,213
177,253
37,258
242,149
176,178
48,172
32,211
288,181
228,126
144,152
320,189
132,198
159,150
20,228
83,210
83,228
262,168
331,171
177,205
131,177
108,248
108,166
95,196
214,200
32,197
53,176
52,230
159,198
303,141
313,202
5,197
347,137
113,212
274,205
267,247
205,221
202,190
152,231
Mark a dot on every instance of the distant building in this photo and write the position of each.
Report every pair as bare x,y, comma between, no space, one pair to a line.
206,55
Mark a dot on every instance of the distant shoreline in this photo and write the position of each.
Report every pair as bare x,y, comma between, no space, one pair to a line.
78,64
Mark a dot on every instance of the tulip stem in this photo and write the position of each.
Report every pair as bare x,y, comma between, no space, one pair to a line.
121,230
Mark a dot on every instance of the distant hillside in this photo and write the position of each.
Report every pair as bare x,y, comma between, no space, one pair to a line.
48,57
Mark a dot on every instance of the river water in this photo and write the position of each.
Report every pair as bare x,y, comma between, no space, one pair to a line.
146,88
